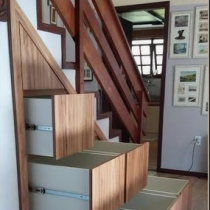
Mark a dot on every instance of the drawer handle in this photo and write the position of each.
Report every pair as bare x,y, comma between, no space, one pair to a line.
41,190
33,127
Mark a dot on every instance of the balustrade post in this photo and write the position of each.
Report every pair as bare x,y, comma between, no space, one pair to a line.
79,46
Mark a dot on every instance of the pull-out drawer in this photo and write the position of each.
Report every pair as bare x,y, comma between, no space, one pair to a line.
168,186
59,126
136,169
150,201
79,182
162,194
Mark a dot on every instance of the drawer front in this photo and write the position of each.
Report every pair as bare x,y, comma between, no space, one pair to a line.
50,202
58,179
39,112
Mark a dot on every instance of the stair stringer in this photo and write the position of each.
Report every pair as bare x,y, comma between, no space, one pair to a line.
19,22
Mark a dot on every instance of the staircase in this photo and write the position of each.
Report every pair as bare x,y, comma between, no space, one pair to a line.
37,75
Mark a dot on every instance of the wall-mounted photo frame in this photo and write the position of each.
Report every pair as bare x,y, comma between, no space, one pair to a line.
53,15
180,42
201,33
187,82
205,102
88,75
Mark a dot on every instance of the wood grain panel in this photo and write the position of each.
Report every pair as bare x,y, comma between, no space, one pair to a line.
36,72
108,188
3,10
73,123
137,169
152,125
18,104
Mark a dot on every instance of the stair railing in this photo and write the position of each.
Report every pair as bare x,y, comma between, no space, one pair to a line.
125,90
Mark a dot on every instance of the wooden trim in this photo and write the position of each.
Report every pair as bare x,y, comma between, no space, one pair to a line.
162,98
147,34
28,93
3,10
56,30
154,5
183,173
21,148
79,47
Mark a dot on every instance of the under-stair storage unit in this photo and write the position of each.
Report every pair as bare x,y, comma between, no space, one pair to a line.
59,126
136,163
162,194
79,182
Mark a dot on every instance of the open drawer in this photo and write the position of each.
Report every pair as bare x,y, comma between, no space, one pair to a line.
162,194
136,169
79,182
150,201
59,126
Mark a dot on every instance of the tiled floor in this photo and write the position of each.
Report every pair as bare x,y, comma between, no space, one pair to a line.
199,190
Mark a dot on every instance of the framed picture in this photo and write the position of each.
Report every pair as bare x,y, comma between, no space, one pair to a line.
88,75
187,85
201,39
180,34
205,103
53,15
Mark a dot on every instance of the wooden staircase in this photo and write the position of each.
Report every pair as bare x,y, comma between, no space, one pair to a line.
36,74
127,96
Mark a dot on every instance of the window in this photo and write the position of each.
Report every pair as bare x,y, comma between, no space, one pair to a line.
148,54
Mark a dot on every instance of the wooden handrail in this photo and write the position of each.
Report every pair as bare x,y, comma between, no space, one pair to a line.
107,68
109,57
95,63
112,26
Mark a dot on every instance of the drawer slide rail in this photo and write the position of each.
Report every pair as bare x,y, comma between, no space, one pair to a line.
41,190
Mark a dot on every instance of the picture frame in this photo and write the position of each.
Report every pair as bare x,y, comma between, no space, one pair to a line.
187,82
53,15
88,75
180,38
201,33
205,102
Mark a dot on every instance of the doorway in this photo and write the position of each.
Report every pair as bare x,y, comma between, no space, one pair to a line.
146,28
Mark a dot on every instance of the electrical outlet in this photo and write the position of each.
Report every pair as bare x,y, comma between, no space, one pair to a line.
198,140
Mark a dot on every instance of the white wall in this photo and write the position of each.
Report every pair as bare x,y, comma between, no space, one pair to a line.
181,124
8,167
172,2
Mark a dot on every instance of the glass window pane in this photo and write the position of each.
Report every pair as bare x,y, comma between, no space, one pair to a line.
137,59
158,41
135,50
159,69
139,67
159,49
146,69
159,59
135,42
146,60
145,50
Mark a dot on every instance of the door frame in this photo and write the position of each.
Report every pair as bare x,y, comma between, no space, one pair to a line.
166,5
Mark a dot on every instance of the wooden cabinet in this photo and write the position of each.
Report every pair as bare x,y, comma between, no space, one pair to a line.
82,181
136,163
109,174
162,194
59,126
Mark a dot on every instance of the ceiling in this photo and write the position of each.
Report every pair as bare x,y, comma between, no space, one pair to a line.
145,18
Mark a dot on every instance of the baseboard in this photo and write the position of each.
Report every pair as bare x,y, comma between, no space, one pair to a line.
184,173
